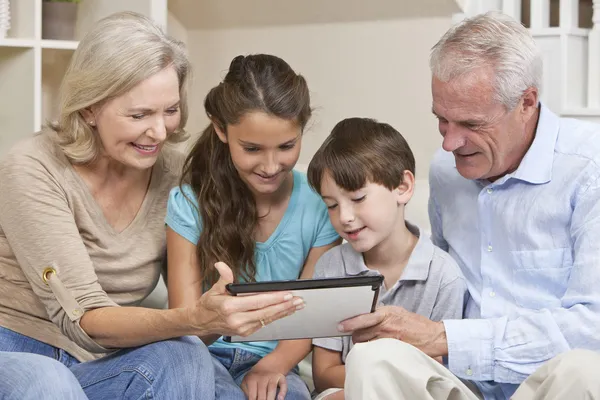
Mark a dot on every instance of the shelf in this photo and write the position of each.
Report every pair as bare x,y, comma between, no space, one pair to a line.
24,43
59,44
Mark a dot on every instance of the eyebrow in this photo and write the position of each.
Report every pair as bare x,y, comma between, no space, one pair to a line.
143,109
244,143
473,122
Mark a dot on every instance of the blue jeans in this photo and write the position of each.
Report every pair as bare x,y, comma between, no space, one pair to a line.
171,369
31,376
232,365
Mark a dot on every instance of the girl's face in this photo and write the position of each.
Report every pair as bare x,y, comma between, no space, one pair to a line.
264,149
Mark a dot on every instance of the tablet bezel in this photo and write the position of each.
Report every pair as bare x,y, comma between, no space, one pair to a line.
375,281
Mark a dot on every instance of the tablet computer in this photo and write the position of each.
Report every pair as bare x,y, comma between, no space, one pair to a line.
328,301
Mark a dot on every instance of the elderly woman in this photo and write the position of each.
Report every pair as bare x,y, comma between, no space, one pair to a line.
82,236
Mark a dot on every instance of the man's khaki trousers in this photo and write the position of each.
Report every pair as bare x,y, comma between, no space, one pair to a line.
390,369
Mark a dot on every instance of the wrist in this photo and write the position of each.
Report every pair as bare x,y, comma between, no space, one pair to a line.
194,322
440,342
276,364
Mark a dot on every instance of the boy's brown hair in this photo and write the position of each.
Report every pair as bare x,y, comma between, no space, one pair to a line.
360,150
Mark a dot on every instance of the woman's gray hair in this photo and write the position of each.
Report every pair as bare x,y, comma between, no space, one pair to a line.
118,53
491,39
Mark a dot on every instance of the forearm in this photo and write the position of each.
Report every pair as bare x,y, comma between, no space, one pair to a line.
332,377
123,327
288,354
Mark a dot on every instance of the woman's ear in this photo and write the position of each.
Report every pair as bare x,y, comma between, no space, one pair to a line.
89,116
405,190
222,136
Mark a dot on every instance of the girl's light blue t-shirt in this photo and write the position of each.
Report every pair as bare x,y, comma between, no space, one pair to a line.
304,225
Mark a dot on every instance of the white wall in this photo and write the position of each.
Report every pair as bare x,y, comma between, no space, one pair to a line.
376,69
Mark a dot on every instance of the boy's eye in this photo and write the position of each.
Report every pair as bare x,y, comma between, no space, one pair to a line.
331,207
359,199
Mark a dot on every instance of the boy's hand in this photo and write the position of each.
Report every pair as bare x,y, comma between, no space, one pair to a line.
397,323
339,395
262,382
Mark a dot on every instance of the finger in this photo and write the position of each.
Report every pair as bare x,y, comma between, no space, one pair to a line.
282,388
361,322
272,313
252,387
364,335
226,276
260,301
262,389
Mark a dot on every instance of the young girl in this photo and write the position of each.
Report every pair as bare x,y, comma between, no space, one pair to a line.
244,205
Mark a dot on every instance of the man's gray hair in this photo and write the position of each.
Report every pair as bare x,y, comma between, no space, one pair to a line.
495,40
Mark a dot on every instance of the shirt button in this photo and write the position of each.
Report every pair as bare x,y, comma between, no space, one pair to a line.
469,372
489,248
492,294
490,190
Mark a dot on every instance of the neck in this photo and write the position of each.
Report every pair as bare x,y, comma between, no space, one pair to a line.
266,201
395,250
107,171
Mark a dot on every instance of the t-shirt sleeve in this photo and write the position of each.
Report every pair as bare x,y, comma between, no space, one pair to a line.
452,295
182,213
41,230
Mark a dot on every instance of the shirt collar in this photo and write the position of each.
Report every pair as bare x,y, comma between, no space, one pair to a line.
536,166
417,268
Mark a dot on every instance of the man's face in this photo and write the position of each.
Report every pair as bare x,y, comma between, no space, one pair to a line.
487,140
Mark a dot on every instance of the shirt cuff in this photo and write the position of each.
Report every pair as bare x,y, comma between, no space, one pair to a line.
471,348
334,344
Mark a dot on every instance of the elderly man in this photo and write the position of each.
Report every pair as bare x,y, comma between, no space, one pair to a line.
515,199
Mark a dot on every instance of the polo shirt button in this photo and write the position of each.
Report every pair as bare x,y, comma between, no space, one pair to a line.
492,294
469,372
490,190
489,248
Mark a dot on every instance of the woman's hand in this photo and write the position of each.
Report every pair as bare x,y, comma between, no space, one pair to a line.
262,381
218,312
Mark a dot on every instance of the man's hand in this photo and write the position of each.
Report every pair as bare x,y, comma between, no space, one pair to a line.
262,381
396,322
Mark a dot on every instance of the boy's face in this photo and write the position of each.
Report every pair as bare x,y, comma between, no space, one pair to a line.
367,217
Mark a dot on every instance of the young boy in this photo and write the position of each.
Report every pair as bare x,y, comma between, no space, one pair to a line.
365,173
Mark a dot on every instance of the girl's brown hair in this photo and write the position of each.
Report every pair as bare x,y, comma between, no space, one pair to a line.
255,83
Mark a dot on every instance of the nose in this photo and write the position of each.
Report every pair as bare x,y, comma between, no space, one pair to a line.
270,164
158,130
454,139
346,214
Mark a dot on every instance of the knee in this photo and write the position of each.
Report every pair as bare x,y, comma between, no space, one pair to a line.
578,364
187,351
371,354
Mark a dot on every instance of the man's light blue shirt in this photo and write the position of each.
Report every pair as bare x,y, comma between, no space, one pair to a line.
529,247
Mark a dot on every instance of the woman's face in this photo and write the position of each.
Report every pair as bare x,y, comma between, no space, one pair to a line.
264,149
133,127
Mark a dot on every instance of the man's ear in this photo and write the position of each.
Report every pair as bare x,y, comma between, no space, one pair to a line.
405,190
528,104
220,133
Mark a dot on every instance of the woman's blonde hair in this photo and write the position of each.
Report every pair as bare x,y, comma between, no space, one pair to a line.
119,52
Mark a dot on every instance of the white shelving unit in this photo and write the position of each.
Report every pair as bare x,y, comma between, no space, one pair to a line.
31,68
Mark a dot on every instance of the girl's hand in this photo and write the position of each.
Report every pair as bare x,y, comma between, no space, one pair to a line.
218,312
262,381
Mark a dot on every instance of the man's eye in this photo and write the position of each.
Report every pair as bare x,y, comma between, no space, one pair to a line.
137,116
